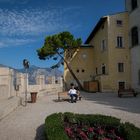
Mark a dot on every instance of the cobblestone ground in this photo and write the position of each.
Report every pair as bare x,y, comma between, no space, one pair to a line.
26,123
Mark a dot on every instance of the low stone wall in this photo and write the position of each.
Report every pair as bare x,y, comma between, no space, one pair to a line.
49,88
13,89
33,88
8,104
3,92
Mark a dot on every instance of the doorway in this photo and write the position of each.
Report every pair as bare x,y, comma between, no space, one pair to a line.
121,85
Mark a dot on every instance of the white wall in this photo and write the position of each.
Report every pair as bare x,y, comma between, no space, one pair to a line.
6,83
47,87
7,88
134,20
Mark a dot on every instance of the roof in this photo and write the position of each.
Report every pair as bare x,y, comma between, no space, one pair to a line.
98,25
86,46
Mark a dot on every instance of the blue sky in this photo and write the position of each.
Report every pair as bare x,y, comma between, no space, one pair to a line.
24,24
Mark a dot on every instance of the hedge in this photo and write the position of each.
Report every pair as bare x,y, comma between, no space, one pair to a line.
54,125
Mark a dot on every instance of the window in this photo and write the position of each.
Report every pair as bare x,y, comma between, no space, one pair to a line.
134,4
119,22
103,45
103,69
83,70
121,85
77,70
134,36
96,71
119,42
120,67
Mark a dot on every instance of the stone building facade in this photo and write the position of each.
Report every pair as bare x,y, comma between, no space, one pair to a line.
111,52
133,8
81,63
108,60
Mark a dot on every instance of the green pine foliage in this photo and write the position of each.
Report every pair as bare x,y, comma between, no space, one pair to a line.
54,48
58,43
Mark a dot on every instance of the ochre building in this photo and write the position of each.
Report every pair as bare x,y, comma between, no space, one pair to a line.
106,55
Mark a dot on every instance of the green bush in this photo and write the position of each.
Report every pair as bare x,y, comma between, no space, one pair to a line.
130,132
54,125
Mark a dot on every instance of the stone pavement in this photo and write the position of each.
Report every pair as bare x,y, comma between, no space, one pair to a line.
26,123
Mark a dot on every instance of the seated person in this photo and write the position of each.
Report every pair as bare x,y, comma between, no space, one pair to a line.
73,93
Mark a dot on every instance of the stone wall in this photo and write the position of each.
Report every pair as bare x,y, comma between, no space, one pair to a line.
17,85
134,21
6,83
53,87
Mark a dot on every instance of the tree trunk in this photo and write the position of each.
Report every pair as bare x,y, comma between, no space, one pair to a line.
74,76
72,73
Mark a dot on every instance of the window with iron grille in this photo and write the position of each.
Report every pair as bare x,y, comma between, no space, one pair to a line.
103,69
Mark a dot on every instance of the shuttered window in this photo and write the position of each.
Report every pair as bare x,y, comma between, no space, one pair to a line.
134,36
120,67
119,42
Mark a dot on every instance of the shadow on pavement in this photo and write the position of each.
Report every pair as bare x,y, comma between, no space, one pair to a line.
126,103
40,133
61,100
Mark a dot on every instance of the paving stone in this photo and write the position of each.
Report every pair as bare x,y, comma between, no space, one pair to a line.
27,123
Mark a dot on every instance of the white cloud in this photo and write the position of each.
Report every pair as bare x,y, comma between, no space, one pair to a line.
30,23
2,44
15,42
27,22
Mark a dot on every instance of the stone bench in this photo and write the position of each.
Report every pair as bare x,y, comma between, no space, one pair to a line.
126,92
64,96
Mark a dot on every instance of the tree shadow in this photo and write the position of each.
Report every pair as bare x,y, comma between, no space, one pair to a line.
126,103
61,100
40,133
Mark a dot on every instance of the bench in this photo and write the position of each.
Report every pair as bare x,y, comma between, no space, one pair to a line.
64,96
126,92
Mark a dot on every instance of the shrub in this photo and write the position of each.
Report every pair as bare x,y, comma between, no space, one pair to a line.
54,128
54,125
130,132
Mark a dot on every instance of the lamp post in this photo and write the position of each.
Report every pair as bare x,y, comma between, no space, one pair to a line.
26,66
